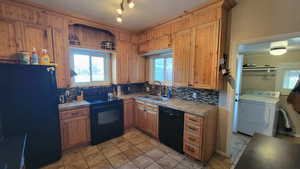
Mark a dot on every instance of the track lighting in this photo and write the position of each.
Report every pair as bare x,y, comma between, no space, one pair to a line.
130,3
120,10
119,19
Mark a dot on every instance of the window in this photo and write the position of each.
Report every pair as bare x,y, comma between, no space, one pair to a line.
162,68
91,67
287,77
290,78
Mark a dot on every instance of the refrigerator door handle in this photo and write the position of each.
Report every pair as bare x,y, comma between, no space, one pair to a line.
50,69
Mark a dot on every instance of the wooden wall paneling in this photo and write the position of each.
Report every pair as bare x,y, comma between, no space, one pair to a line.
39,37
181,57
11,40
206,56
11,11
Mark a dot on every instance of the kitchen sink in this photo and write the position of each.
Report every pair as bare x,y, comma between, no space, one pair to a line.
155,98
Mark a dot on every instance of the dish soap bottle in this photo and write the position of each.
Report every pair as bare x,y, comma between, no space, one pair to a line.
44,58
34,57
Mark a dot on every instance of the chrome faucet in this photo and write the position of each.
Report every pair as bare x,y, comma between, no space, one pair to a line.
161,87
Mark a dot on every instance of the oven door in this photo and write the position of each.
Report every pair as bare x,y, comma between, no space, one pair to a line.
106,122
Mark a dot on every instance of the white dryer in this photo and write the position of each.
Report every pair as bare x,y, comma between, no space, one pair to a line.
258,112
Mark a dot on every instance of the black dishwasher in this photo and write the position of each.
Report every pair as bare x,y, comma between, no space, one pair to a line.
171,124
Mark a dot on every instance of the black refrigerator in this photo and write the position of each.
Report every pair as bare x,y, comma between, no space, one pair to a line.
28,104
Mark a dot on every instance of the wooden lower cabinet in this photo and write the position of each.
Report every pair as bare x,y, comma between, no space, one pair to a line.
200,134
128,113
75,127
146,118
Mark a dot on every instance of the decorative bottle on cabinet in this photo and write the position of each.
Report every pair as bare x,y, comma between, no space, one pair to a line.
44,58
34,57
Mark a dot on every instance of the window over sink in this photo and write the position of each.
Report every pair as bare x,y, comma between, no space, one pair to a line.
89,67
161,68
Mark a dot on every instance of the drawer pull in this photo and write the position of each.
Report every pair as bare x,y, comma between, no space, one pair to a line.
192,128
191,149
194,120
75,113
192,139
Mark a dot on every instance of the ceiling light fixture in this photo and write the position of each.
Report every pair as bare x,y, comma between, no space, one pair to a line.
120,10
130,3
278,48
277,51
119,19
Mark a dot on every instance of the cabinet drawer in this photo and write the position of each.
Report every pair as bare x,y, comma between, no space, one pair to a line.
192,150
193,129
196,120
153,108
74,113
192,139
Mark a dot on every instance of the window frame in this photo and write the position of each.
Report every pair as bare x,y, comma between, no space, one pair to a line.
92,53
280,76
151,67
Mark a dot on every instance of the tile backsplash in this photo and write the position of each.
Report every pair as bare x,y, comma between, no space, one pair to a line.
185,93
201,95
98,91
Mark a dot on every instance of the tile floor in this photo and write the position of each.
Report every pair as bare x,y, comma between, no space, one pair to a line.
133,150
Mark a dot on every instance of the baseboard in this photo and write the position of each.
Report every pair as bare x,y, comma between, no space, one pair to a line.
289,134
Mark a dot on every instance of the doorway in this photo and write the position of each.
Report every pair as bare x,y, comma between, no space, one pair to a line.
266,72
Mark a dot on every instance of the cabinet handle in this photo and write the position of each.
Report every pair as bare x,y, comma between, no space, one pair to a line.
191,149
192,139
75,113
194,120
192,128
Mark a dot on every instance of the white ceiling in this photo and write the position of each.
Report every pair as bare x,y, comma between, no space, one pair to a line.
146,12
264,47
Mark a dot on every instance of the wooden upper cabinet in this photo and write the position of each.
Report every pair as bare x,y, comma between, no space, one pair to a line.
11,40
136,66
120,63
161,43
182,50
60,51
206,56
39,37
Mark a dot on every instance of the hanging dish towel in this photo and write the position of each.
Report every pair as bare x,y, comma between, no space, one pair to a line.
294,97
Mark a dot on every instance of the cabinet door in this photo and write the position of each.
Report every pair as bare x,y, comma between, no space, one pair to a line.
128,113
136,66
139,115
60,49
10,33
182,52
75,131
205,62
152,125
39,37
122,62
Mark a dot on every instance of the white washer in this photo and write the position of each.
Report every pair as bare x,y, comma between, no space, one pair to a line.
258,112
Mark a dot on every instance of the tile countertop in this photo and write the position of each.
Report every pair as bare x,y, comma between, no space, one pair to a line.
175,103
73,105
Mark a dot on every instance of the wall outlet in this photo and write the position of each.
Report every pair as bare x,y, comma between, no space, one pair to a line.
194,95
